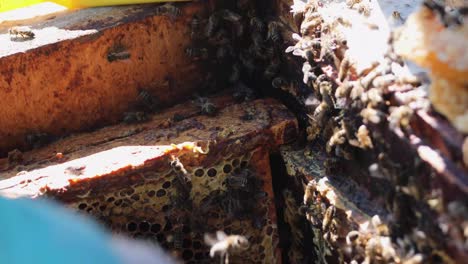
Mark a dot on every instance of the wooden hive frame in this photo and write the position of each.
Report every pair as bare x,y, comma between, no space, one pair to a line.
134,189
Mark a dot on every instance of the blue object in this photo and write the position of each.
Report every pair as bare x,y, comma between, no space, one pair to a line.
39,231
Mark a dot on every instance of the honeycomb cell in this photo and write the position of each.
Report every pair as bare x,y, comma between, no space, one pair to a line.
131,227
244,164
118,202
161,193
136,197
187,255
227,168
82,206
199,172
211,172
151,193
102,208
144,227
236,162
155,228
187,243
89,210
166,185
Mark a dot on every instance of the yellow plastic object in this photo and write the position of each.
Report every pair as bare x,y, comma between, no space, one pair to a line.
6,5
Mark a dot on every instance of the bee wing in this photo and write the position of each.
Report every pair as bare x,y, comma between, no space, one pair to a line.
220,235
210,240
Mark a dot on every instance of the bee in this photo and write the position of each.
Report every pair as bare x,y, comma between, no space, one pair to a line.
212,25
274,33
316,44
338,138
257,25
235,73
178,238
15,156
370,115
279,83
235,19
243,93
271,70
75,170
239,180
206,106
38,139
351,3
232,204
363,139
384,81
400,116
169,10
224,51
196,53
345,65
309,75
134,117
114,56
364,9
230,16
147,100
317,119
326,90
270,51
344,22
309,192
257,46
396,15
21,33
182,175
344,90
248,63
224,245
234,182
195,25
373,97
308,27
352,237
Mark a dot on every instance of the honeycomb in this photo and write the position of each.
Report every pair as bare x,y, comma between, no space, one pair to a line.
158,210
171,194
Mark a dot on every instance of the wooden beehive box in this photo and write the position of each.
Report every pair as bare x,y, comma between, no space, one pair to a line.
345,166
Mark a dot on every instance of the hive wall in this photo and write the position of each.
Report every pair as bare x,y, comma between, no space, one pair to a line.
64,81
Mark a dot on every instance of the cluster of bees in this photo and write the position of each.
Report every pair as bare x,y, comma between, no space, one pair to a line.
343,108
335,101
320,212
237,48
